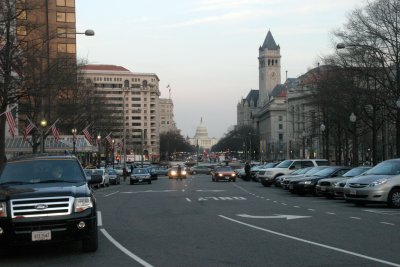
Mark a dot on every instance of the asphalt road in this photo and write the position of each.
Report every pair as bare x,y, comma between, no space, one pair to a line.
197,222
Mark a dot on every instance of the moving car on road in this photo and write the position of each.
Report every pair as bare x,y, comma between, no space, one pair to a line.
47,199
140,175
224,173
174,174
112,176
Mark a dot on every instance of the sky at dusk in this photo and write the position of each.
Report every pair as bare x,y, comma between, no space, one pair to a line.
207,50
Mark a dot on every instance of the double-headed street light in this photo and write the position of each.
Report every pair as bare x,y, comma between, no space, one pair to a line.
323,128
113,148
74,131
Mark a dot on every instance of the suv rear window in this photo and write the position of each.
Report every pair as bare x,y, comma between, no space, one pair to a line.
322,162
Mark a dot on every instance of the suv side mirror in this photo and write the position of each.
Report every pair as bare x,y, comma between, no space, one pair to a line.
292,167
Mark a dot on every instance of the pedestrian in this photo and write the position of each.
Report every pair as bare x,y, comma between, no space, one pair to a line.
131,169
179,172
247,168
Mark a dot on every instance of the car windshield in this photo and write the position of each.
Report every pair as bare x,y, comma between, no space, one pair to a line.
285,164
224,169
385,168
325,172
313,171
41,171
111,172
356,172
140,171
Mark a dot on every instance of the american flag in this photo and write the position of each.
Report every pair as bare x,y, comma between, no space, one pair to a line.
88,136
55,132
108,138
12,126
28,128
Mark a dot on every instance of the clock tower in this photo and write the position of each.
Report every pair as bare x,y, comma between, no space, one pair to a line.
269,60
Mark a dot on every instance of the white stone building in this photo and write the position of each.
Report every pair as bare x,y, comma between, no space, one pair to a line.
201,139
134,98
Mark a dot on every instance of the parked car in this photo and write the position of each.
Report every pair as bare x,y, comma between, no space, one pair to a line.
326,187
296,174
309,172
306,185
268,176
112,176
153,173
140,175
381,184
105,181
200,169
161,170
224,173
173,173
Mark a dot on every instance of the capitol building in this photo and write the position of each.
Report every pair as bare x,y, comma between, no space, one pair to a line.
201,138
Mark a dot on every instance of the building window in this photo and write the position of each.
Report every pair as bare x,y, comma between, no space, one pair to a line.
280,126
65,17
280,118
66,33
21,14
280,137
66,48
21,30
67,3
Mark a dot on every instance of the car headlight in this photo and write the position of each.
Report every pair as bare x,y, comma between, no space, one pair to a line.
83,203
220,174
173,172
378,182
3,209
305,182
183,172
233,174
334,184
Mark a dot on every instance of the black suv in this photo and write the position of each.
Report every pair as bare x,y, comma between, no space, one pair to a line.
46,199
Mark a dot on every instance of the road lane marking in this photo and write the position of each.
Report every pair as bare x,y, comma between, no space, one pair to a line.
355,218
148,191
188,199
311,209
99,219
112,194
124,250
276,216
183,190
297,207
331,213
284,204
312,242
387,223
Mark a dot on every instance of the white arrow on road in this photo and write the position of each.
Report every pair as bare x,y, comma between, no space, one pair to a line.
276,216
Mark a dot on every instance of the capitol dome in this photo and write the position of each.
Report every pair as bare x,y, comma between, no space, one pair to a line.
201,131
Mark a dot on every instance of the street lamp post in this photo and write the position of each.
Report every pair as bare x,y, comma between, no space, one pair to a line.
323,128
43,124
98,144
113,148
73,140
303,135
353,120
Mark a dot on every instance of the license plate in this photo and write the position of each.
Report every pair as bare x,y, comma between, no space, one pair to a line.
41,235
353,192
140,180
323,188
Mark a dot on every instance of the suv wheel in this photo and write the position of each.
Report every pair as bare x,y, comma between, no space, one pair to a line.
91,243
394,198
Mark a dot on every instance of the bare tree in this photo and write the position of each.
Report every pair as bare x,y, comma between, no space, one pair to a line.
372,36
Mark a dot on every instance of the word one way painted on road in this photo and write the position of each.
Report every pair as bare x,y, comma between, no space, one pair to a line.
221,198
